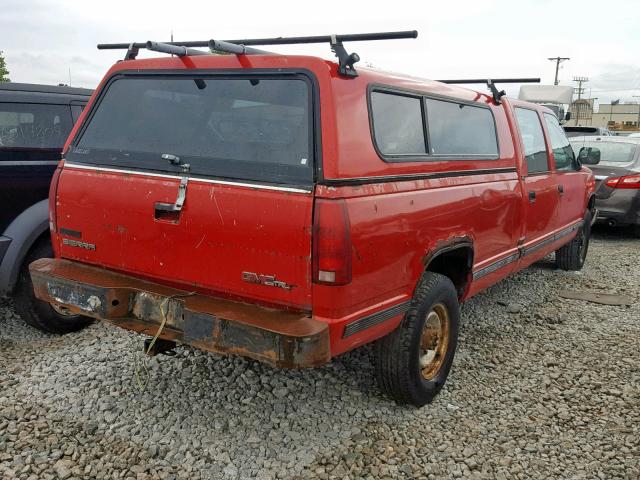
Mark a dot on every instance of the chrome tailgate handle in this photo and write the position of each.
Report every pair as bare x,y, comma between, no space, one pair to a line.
175,207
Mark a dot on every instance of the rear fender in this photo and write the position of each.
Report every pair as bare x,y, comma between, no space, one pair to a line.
433,261
25,229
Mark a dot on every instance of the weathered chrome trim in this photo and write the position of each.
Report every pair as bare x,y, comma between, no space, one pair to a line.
19,163
483,272
191,178
552,238
372,320
523,251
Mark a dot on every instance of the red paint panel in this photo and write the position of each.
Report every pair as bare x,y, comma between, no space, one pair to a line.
574,199
222,231
542,209
392,234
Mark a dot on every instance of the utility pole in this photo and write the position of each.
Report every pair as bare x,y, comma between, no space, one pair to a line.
579,91
558,61
580,81
593,105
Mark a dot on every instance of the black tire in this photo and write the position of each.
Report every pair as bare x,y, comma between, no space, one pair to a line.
35,312
573,255
400,353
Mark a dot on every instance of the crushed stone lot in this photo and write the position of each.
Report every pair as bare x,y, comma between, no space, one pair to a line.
541,387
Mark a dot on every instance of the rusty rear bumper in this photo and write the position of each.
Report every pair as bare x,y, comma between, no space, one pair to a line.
280,338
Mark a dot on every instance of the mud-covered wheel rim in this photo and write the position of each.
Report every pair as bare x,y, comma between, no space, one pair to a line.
434,341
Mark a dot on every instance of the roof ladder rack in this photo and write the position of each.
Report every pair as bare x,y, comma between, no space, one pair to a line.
346,61
491,84
178,50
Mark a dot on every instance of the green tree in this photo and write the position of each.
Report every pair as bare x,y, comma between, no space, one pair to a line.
4,73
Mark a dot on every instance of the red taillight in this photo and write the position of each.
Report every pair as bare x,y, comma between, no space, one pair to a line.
628,181
53,193
331,243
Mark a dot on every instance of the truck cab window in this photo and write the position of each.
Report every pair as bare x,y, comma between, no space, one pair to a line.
459,129
535,149
562,151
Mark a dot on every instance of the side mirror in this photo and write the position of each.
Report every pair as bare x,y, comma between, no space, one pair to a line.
567,116
589,156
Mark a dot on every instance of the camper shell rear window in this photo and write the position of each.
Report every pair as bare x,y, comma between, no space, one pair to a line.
247,127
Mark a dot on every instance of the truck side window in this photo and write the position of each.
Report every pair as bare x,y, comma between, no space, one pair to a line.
32,125
562,151
535,149
460,129
397,124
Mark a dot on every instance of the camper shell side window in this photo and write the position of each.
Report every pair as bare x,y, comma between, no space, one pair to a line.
450,129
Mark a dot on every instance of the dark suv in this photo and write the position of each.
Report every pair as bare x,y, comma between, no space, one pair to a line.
35,121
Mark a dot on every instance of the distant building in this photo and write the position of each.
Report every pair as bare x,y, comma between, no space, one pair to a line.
617,117
581,112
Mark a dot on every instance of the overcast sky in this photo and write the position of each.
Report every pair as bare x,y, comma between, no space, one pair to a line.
42,40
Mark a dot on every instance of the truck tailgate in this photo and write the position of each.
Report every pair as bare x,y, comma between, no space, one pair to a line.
239,240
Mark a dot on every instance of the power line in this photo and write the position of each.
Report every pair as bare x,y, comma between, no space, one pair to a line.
580,81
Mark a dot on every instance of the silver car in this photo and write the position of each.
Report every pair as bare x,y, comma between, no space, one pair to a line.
617,176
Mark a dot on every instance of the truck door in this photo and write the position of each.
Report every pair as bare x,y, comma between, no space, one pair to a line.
539,182
571,185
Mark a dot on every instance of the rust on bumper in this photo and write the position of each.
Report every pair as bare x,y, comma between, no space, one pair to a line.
277,337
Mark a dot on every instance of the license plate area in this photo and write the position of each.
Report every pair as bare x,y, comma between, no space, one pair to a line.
87,299
156,308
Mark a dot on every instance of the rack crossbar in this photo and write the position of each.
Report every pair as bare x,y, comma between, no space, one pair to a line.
353,37
463,81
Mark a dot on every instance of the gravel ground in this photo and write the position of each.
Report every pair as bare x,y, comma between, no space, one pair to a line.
541,387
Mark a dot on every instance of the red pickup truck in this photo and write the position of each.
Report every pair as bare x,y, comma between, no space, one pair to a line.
290,209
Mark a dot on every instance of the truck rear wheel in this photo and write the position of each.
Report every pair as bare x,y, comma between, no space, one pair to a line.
572,255
414,360
37,313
